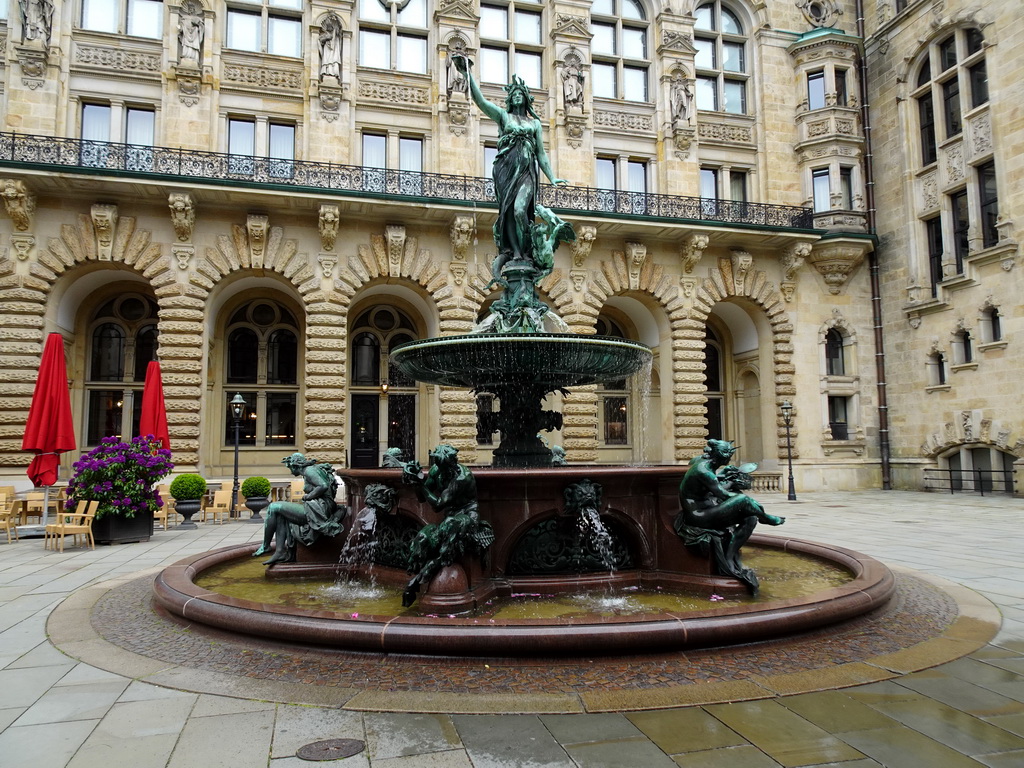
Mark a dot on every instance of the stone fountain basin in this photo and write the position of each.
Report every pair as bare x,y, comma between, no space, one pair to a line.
489,360
871,586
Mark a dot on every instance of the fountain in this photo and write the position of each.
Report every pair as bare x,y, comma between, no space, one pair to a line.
471,537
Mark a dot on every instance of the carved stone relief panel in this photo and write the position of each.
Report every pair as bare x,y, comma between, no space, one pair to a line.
928,191
104,222
980,129
953,164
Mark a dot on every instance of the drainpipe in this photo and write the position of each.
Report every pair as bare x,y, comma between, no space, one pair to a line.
876,292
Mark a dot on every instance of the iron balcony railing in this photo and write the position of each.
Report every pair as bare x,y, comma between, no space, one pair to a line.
105,157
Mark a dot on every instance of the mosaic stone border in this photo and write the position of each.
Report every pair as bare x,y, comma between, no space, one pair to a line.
115,626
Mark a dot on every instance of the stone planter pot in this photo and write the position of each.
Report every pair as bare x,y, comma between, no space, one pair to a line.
256,504
114,529
186,508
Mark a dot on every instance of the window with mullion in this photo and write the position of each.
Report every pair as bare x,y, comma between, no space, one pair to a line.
721,60
267,29
138,18
988,200
961,228
511,42
393,37
620,48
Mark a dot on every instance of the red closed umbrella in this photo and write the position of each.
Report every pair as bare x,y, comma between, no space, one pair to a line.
49,431
153,419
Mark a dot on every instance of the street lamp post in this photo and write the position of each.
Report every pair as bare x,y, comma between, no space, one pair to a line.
237,412
787,419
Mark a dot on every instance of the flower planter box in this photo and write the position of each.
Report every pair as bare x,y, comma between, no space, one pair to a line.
113,529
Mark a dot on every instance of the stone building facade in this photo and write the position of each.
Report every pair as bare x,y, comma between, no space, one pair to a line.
267,195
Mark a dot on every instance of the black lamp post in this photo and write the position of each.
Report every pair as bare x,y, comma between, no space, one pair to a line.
237,404
787,419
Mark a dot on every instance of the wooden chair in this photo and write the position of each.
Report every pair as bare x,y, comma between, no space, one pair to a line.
34,505
220,509
7,522
77,523
166,514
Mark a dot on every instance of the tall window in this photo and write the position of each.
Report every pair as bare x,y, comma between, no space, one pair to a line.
933,229
249,137
621,50
511,41
963,347
393,36
721,60
138,18
988,202
961,228
614,396
622,184
838,422
714,385
102,123
262,364
835,363
820,190
816,89
275,27
122,341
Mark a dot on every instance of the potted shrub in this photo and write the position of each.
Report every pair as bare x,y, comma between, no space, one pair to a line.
188,490
256,491
122,476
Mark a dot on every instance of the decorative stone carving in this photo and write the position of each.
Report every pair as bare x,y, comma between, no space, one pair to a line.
929,192
458,118
262,77
392,93
330,101
329,42
33,65
456,81
118,59
692,250
462,233
954,163
19,202
742,261
676,42
835,261
573,74
984,435
191,31
689,286
190,85
575,129
820,13
36,21
585,236
104,222
636,255
915,321
328,261
183,255
793,258
22,246
257,227
330,218
788,290
681,93
623,121
568,25
462,9
682,141
183,214
733,134
981,134
967,423
395,236
578,277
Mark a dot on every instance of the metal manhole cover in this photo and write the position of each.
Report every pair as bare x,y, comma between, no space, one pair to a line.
331,749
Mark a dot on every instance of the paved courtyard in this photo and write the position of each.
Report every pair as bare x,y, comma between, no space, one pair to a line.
56,711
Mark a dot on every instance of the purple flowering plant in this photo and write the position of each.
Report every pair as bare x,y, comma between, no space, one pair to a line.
122,476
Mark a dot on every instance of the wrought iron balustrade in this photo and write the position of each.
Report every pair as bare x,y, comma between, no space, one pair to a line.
103,157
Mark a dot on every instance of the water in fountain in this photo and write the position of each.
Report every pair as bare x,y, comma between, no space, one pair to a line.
643,380
592,530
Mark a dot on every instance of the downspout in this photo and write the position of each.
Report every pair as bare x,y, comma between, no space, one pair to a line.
876,290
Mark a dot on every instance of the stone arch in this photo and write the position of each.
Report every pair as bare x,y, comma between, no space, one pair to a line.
735,278
390,256
840,323
971,427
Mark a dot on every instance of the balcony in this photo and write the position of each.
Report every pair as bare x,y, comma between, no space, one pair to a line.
51,153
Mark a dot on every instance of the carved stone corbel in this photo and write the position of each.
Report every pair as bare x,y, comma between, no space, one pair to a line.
330,219
22,246
791,260
183,214
257,227
104,223
458,117
461,233
575,130
32,61
692,250
636,255
835,261
585,237
328,261
395,236
183,255
190,84
742,261
682,140
19,202
330,97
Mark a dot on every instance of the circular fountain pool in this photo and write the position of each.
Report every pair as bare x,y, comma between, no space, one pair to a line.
654,620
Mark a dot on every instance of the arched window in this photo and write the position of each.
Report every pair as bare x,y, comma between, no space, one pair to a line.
262,356
714,384
936,369
621,50
383,401
122,343
991,325
722,59
835,364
